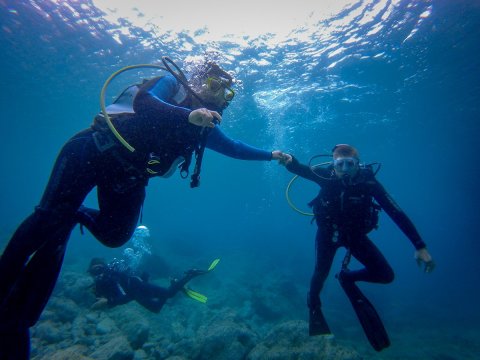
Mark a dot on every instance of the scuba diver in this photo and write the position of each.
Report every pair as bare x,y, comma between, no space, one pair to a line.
116,283
346,210
164,120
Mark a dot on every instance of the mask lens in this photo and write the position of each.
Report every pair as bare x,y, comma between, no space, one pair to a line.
345,164
214,84
229,94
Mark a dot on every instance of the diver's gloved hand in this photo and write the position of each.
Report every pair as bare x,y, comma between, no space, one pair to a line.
423,257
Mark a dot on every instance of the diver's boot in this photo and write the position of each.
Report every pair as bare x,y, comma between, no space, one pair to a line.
317,325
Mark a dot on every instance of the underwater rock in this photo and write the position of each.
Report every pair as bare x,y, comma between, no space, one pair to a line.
49,332
133,325
140,355
82,327
225,341
105,326
137,333
76,352
77,287
290,340
65,310
116,349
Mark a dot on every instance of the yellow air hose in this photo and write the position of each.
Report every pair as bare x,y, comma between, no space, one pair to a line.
287,195
287,192
102,100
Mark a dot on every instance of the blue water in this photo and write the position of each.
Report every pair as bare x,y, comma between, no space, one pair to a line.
399,80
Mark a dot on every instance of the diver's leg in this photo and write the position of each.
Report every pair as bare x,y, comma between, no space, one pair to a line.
150,296
14,343
153,297
377,269
68,185
178,284
31,262
36,283
325,251
113,225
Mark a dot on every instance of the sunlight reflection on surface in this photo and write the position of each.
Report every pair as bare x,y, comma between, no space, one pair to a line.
213,20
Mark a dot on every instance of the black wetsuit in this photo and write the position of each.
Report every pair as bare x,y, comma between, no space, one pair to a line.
345,212
32,260
119,286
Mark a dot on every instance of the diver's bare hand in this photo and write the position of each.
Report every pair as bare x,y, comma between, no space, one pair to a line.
204,117
285,159
277,154
99,304
423,257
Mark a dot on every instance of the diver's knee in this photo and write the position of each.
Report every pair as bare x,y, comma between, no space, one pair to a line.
113,242
114,239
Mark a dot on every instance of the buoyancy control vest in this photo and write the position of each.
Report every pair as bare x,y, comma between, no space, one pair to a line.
348,206
161,158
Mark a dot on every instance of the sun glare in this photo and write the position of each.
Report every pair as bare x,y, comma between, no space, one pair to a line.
213,20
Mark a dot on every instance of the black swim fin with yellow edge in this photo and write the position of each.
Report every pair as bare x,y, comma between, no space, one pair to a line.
196,295
367,315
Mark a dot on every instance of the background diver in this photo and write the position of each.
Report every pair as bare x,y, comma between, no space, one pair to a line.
346,210
116,283
166,120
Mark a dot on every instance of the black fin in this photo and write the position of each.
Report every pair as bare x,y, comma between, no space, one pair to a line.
317,323
368,317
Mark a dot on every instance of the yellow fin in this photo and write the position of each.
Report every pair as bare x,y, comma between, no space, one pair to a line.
213,264
195,295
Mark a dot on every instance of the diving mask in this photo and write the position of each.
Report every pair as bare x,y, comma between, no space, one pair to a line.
347,165
215,84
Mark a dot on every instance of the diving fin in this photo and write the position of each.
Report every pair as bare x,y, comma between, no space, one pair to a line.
195,295
317,324
213,264
367,315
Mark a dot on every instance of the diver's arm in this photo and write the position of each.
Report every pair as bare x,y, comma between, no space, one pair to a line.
219,142
397,215
155,100
306,172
